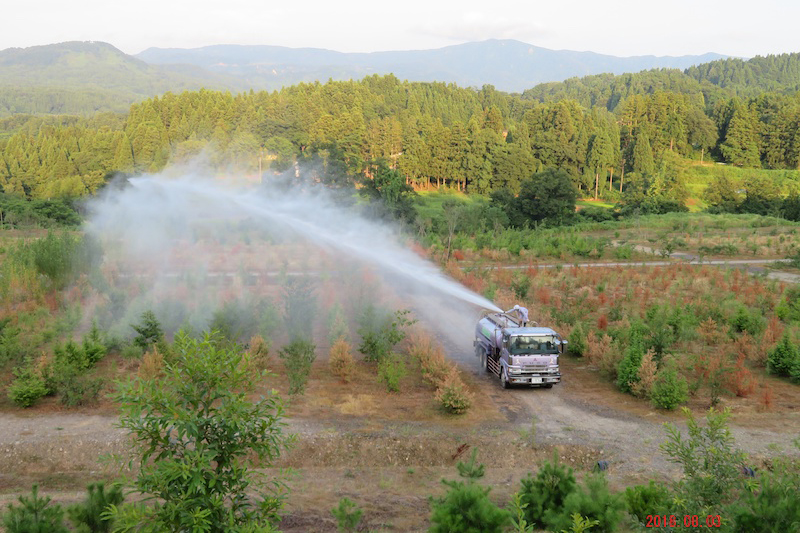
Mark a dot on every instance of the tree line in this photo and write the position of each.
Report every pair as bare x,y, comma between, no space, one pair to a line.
434,134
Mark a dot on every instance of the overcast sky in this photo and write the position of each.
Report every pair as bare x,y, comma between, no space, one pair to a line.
617,27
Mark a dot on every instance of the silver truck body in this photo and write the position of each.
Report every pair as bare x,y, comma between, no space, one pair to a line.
517,354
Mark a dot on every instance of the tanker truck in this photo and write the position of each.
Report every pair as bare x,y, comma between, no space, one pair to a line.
516,352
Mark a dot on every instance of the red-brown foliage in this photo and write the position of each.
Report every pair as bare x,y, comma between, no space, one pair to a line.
741,381
543,295
602,322
766,399
458,255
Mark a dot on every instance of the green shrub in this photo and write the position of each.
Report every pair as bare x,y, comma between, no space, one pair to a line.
773,508
577,340
594,501
10,350
299,306
548,490
53,257
628,369
71,355
747,321
148,331
650,499
131,351
521,284
710,463
348,515
337,325
391,370
77,389
298,356
93,345
623,252
789,308
381,332
669,389
236,320
87,516
28,385
34,515
784,358
452,394
198,439
466,508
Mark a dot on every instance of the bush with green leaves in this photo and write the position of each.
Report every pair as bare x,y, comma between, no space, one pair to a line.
299,306
521,284
236,320
594,501
771,508
391,370
452,394
784,358
337,324
52,256
79,389
148,331
546,492
577,340
28,386
90,516
34,515
348,516
748,321
197,437
711,464
628,368
10,348
669,389
381,331
298,356
789,308
466,507
651,499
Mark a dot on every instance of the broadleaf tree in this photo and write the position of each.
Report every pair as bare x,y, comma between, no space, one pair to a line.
197,437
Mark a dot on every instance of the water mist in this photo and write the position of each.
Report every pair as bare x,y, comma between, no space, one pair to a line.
151,225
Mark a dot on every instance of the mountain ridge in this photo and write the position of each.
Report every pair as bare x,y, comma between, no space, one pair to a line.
509,65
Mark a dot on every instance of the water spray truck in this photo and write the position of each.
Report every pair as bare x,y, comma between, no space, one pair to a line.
516,352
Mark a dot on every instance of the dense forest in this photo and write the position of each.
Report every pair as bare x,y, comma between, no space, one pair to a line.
632,134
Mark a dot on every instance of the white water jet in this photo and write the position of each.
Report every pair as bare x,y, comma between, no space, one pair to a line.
150,215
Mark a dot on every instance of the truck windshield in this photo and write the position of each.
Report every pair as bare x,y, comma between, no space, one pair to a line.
528,344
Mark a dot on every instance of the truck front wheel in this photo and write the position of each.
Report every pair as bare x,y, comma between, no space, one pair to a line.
504,378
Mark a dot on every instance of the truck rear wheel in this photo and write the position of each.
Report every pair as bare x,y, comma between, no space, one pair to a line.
480,351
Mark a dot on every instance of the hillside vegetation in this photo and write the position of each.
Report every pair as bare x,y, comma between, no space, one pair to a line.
434,135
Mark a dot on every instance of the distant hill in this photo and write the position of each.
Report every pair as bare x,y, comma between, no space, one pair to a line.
84,77
509,65
713,81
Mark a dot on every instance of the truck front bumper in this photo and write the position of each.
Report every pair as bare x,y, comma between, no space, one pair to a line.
534,379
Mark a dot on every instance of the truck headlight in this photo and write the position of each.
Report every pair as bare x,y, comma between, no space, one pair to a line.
514,371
